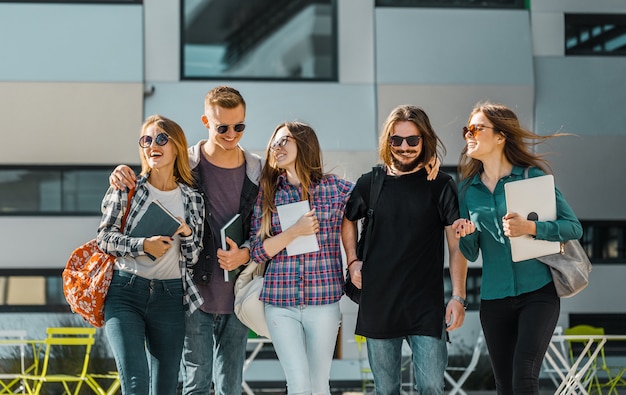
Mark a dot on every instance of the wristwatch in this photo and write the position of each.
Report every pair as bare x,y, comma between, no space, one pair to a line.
460,300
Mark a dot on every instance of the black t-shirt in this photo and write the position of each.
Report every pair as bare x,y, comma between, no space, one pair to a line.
403,273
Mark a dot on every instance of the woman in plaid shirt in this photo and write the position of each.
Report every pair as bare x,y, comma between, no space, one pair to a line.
151,286
301,292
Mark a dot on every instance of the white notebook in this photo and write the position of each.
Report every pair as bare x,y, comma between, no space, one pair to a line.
535,197
289,214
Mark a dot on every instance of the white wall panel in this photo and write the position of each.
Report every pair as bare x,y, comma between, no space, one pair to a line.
65,123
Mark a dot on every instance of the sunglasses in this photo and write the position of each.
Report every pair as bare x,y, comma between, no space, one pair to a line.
474,130
281,142
238,127
161,139
412,141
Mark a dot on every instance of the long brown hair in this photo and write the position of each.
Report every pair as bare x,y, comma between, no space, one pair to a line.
431,143
309,169
182,171
517,145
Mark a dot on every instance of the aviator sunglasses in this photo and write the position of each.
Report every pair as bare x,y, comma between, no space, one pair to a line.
412,141
474,130
161,139
238,127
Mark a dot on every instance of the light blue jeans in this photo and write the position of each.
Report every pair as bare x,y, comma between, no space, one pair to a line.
430,358
304,338
145,326
215,350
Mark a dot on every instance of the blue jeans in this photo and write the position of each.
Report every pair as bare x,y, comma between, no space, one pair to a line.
215,350
145,326
430,358
304,338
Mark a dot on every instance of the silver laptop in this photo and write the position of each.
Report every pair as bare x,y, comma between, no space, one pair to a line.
535,199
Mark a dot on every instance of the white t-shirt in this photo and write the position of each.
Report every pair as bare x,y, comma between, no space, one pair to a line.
167,266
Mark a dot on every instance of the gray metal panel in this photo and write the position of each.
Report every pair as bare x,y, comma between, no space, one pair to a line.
453,46
61,42
582,95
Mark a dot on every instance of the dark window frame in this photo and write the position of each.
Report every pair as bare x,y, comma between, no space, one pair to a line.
54,286
583,24
61,169
483,4
595,246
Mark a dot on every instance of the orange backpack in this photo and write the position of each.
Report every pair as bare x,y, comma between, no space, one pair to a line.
87,276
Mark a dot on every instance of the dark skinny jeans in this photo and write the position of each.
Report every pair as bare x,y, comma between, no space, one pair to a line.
517,333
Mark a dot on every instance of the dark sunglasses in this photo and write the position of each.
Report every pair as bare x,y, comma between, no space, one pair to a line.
161,139
474,130
281,142
412,141
238,127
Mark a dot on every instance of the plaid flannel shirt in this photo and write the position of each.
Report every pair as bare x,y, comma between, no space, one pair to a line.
314,278
114,241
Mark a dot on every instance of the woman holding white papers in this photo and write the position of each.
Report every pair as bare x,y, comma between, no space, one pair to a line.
519,307
296,225
151,287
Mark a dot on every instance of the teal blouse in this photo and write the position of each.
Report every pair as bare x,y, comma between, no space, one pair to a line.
501,276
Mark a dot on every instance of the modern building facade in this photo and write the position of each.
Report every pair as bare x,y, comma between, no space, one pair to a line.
78,77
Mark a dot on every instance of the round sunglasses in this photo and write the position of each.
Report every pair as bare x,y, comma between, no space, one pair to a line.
161,139
238,127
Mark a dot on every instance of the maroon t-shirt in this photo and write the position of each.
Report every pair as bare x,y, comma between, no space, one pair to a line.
223,189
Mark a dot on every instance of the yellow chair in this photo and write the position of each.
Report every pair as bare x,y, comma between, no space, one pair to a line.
591,379
11,377
367,379
74,345
95,380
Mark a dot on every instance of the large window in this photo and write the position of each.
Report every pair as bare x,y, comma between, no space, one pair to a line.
595,34
53,190
259,40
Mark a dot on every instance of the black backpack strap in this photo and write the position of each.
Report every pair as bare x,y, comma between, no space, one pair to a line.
378,177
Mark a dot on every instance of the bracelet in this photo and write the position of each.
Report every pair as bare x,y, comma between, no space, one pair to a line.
351,262
460,300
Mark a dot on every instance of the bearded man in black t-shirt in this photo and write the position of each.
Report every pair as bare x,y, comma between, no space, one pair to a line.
401,279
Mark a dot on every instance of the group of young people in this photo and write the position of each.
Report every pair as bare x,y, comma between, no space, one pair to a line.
176,312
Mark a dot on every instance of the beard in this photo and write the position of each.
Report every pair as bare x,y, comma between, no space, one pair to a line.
405,167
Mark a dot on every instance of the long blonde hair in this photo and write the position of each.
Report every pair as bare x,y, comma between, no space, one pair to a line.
182,170
309,169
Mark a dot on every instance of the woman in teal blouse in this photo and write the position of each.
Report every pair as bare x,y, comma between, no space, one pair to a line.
519,306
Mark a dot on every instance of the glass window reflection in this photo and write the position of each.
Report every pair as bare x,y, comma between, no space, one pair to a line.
263,40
